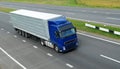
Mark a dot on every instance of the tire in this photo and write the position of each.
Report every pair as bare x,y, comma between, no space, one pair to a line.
56,49
26,35
23,33
42,43
15,29
18,31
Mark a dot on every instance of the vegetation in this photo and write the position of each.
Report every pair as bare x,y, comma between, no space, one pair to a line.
84,3
100,3
4,9
80,25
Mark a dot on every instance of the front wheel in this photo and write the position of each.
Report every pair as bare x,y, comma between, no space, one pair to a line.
56,49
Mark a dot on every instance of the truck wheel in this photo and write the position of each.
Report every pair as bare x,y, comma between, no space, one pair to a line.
56,49
15,29
28,35
42,43
18,31
25,34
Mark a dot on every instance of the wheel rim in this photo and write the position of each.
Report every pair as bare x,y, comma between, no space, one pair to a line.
42,43
56,48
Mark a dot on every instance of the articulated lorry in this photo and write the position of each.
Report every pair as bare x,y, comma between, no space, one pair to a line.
52,30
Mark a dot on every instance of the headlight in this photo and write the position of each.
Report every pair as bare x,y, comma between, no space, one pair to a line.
64,48
77,44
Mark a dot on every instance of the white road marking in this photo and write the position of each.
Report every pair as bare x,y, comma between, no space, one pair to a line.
2,28
110,58
69,65
112,18
8,32
15,36
99,38
49,54
13,58
24,40
35,46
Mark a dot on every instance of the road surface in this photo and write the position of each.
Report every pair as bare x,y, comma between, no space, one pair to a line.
105,16
17,52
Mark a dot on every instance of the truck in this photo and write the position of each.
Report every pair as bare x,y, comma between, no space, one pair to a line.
52,30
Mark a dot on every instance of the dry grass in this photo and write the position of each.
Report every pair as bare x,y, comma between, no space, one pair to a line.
100,3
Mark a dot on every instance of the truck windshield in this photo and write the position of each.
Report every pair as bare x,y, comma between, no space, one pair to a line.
67,33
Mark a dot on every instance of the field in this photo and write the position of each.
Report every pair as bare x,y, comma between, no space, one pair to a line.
101,3
81,3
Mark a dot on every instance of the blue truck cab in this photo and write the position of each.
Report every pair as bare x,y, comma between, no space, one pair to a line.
62,34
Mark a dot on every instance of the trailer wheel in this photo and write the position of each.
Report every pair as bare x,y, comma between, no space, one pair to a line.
21,32
42,43
15,29
56,49
26,35
18,31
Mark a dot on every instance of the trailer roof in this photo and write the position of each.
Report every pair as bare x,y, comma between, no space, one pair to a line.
35,14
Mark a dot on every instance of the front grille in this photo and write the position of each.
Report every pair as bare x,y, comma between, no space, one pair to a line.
70,41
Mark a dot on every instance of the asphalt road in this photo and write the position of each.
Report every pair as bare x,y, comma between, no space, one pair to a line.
105,16
17,52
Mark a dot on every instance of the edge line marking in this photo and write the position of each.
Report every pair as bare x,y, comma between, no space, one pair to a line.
12,58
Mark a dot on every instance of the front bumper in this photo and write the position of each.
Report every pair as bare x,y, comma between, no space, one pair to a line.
69,48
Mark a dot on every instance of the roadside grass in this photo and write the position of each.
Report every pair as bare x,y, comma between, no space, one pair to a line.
100,3
80,25
7,10
79,3
51,2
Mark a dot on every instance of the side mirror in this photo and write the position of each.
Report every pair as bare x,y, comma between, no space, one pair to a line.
75,29
57,34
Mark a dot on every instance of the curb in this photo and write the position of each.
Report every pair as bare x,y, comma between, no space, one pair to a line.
102,29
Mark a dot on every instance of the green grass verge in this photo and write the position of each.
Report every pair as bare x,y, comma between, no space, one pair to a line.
81,3
7,10
80,25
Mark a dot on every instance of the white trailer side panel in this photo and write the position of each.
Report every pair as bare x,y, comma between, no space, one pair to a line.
34,26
